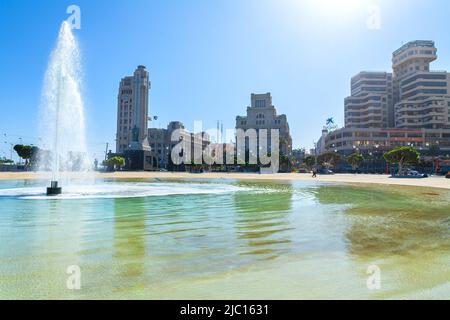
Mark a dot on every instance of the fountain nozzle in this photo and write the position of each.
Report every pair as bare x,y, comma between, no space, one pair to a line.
54,190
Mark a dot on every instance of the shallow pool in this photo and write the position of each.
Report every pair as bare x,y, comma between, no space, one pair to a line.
149,239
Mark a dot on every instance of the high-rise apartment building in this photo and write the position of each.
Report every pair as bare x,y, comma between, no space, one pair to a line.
132,112
410,107
422,97
371,102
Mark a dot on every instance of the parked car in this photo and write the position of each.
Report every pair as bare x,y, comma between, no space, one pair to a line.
410,174
414,173
325,171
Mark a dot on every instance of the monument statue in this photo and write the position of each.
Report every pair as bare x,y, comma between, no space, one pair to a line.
135,134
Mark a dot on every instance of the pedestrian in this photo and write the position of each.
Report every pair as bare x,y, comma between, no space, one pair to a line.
314,173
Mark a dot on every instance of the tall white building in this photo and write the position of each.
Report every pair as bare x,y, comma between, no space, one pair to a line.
410,107
371,102
421,95
132,112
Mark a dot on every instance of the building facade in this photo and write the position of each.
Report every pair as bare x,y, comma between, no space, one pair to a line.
132,112
371,101
157,139
262,114
348,140
409,107
422,95
161,143
320,145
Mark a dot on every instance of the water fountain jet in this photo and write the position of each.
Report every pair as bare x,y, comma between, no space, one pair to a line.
62,123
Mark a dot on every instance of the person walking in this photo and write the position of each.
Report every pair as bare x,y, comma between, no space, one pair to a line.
314,173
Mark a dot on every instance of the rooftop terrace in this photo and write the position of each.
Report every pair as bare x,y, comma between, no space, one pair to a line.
412,44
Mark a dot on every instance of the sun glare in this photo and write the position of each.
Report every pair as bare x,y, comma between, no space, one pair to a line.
335,8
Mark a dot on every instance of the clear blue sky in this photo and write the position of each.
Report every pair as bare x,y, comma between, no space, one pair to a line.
206,57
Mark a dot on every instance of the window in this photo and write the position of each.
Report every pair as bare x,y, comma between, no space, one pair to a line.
362,134
380,135
260,103
347,134
414,135
397,135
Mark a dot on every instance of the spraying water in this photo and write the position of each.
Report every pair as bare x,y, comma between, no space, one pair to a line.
62,123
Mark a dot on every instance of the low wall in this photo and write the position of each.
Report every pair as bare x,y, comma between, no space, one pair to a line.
11,168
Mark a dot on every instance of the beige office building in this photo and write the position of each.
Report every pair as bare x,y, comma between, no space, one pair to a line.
132,112
161,143
262,114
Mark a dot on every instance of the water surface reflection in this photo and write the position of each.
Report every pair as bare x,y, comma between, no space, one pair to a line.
261,240
262,221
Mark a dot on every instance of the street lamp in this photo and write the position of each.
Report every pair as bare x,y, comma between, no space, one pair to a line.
21,142
12,148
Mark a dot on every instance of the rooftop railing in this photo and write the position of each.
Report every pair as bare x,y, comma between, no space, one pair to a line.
417,43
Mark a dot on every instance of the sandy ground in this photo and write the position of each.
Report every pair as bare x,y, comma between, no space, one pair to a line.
433,182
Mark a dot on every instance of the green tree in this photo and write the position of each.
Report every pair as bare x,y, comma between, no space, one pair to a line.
285,163
434,151
194,167
329,159
115,162
309,162
355,160
402,156
26,152
6,161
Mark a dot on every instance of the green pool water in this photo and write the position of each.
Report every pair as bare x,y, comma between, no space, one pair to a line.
146,239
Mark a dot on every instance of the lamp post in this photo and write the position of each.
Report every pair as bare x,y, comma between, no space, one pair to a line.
437,163
377,156
21,142
12,148
315,154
